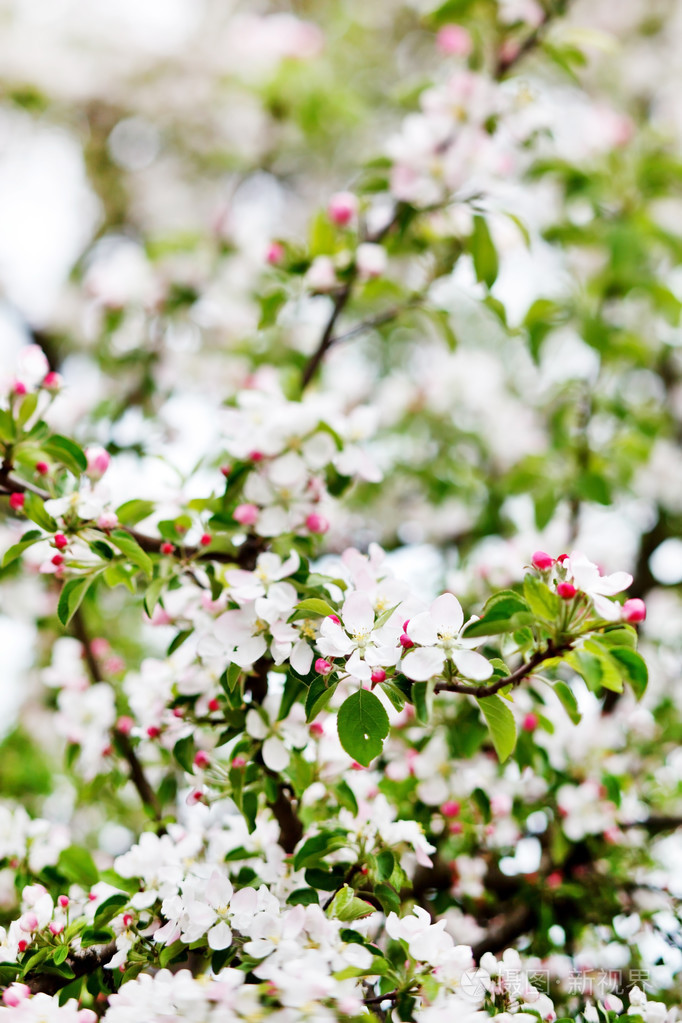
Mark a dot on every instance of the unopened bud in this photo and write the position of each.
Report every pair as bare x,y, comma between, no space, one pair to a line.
322,666
201,759
317,523
634,610
566,591
542,561
246,514
342,208
98,461
17,501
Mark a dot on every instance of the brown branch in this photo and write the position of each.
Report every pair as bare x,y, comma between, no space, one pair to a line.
532,40
290,826
82,961
516,677
137,776
340,300
244,556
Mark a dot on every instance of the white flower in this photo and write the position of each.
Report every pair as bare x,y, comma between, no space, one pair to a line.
587,578
437,631
357,639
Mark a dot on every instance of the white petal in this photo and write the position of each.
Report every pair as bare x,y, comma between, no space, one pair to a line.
421,629
358,613
616,583
472,665
255,726
301,658
421,665
608,609
250,651
446,613
275,754
219,936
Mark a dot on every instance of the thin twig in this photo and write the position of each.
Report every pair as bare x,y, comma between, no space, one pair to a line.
123,743
516,677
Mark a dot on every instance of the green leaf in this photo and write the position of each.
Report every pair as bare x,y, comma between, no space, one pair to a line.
316,848
71,597
60,954
35,510
151,597
633,667
362,725
319,695
28,407
501,723
110,908
77,865
17,549
132,512
568,700
540,598
385,865
184,751
303,897
316,607
346,906
7,428
66,451
483,252
498,614
132,550
101,549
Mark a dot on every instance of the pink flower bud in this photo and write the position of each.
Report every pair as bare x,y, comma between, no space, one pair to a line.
19,388
201,759
317,523
108,520
456,828
16,993
566,591
634,610
405,641
322,666
127,919
22,945
239,762
56,927
153,732
530,722
52,381
28,922
450,808
542,561
342,208
63,901
246,514
60,541
454,41
275,253
92,896
226,470
554,879
57,560
378,675
562,558
42,468
124,725
167,548
316,729
335,619
214,704
194,797
206,539
98,461
256,456
17,501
